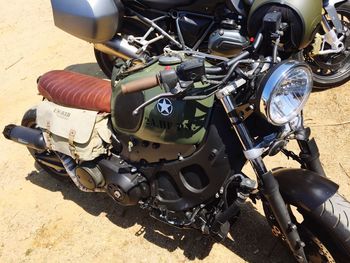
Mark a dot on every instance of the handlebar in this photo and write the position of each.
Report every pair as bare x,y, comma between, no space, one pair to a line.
140,84
153,81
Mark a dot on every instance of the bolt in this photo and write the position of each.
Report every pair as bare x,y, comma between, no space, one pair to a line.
180,157
299,244
117,194
213,154
291,227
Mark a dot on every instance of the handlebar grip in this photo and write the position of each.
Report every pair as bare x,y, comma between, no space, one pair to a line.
140,84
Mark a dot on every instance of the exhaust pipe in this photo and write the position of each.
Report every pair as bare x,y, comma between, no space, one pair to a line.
118,47
29,137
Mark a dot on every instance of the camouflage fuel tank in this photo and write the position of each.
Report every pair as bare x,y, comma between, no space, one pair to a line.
166,121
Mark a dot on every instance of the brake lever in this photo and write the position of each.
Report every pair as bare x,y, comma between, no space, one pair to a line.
146,103
177,91
177,82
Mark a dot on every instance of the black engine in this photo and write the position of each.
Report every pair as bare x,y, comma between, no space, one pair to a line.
227,42
120,180
123,183
226,38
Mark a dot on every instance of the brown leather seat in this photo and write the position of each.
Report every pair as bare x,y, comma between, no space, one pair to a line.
76,90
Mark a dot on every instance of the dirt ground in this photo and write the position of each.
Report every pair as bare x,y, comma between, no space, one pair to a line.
45,220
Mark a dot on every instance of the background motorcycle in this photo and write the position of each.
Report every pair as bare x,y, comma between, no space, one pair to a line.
175,153
328,54
140,29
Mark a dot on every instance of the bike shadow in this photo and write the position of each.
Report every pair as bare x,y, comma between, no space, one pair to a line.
252,239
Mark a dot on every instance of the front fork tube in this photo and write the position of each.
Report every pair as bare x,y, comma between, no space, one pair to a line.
267,182
310,156
333,14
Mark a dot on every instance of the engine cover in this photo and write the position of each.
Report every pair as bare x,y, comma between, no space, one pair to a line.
89,175
182,184
226,42
125,186
193,27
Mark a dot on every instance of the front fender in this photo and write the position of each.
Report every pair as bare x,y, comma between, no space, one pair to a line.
304,188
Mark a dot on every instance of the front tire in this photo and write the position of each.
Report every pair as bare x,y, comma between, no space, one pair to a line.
329,227
325,230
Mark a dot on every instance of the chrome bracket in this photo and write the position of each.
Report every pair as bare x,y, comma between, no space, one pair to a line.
253,153
332,12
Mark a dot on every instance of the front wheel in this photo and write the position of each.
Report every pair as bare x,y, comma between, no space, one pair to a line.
325,230
333,69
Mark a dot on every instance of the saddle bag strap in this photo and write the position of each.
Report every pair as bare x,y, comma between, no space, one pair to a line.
47,135
72,148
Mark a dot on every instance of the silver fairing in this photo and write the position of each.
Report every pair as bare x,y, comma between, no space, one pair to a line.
91,20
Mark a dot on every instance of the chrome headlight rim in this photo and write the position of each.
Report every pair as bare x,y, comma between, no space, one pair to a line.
271,83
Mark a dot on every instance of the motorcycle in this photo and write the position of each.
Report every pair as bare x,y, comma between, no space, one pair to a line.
316,32
173,138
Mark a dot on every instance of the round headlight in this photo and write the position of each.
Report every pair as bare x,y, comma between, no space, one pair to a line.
285,91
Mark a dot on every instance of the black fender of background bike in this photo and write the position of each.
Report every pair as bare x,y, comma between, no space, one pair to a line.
304,188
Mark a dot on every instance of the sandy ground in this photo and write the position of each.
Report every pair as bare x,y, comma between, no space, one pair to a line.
45,220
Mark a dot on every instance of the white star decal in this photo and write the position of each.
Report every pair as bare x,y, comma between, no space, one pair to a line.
165,107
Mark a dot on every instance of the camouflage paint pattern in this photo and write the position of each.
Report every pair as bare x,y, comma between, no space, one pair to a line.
185,125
